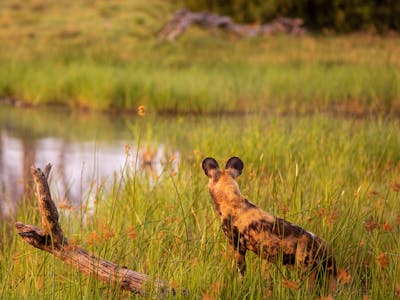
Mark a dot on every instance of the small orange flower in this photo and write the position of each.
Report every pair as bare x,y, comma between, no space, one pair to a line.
380,203
397,291
370,225
252,174
127,149
217,287
343,276
207,296
39,284
395,186
372,193
131,231
64,205
290,284
383,260
329,216
329,297
283,209
106,232
92,238
387,227
140,111
15,258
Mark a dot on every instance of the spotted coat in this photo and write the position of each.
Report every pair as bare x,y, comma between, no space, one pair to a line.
248,227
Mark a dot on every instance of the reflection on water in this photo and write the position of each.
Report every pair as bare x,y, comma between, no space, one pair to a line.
85,151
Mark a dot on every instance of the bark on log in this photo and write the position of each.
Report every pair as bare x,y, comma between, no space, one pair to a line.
51,239
184,18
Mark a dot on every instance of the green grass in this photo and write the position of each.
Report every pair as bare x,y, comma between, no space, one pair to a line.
104,55
334,176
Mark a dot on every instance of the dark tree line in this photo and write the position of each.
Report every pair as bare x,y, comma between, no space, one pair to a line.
338,15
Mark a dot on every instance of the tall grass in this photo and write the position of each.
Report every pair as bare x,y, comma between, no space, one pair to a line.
336,177
105,56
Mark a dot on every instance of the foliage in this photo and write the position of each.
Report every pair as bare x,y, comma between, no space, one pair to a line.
340,15
104,56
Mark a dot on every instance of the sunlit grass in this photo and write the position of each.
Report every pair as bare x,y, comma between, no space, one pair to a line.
339,178
105,55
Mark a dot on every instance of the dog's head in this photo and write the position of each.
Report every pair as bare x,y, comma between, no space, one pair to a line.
222,183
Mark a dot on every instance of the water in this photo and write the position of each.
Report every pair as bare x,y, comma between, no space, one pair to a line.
86,151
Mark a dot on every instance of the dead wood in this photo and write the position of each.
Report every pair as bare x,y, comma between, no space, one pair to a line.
51,239
184,18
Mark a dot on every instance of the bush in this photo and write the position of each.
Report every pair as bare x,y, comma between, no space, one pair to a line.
339,15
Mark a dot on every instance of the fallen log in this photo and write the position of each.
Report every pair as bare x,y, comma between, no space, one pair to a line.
51,239
184,18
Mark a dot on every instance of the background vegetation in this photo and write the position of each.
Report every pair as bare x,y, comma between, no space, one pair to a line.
338,15
104,55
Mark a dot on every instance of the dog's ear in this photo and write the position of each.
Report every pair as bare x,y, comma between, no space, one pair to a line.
208,165
235,164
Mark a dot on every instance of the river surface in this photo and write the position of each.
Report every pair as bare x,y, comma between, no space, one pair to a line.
85,150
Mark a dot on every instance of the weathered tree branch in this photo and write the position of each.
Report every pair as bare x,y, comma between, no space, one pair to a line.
184,18
51,239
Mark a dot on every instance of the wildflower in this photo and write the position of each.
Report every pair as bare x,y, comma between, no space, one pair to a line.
196,152
343,276
64,205
395,186
207,296
329,297
39,284
213,293
381,203
92,238
140,111
267,292
387,227
15,258
370,225
309,219
372,193
216,287
106,232
383,260
397,291
131,231
283,209
290,284
329,216
127,149
173,284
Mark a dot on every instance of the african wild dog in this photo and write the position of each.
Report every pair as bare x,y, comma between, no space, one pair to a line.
248,227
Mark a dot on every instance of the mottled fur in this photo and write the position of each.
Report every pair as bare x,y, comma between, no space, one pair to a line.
248,227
